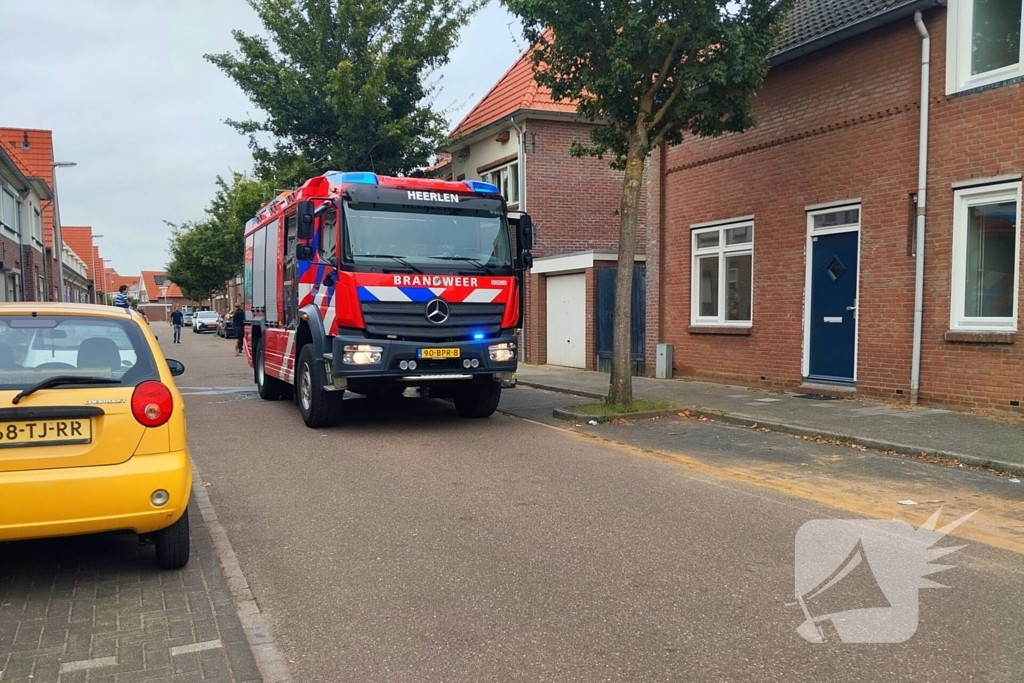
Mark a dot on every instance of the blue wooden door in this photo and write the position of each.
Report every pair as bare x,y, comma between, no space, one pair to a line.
833,307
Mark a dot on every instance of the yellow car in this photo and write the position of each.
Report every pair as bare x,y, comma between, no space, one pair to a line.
92,428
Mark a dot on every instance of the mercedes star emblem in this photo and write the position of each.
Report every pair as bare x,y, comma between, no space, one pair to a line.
438,311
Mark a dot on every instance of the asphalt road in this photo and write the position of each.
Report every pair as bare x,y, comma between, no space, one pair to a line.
408,544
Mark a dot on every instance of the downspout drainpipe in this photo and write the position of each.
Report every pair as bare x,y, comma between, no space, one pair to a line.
922,179
522,165
522,208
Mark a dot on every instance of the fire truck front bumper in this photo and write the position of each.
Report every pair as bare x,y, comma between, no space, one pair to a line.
413,363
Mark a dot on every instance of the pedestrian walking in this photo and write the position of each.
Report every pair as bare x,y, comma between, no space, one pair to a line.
177,319
238,323
121,298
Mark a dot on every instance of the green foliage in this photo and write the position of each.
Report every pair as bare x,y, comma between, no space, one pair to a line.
652,70
344,84
206,253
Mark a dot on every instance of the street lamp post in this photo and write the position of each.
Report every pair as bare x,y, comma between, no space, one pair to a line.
163,291
58,239
94,273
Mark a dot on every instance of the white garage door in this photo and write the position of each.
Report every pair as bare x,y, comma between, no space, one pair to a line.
567,326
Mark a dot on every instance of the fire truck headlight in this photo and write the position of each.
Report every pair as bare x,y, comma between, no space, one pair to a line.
362,354
502,353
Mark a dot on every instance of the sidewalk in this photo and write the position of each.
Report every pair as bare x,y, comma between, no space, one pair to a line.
909,431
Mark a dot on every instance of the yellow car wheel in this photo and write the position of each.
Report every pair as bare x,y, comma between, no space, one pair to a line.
172,544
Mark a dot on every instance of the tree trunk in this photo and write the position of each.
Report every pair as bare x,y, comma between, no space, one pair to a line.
620,389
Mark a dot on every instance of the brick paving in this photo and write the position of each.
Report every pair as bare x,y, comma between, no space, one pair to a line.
97,609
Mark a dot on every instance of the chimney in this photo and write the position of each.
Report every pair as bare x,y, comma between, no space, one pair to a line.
24,140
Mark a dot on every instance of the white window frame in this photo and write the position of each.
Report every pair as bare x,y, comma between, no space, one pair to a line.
723,251
959,20
489,178
963,199
10,223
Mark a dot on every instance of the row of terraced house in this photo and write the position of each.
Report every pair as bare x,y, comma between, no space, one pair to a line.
788,256
32,268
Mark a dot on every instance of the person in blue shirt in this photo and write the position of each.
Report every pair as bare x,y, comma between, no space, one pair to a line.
121,298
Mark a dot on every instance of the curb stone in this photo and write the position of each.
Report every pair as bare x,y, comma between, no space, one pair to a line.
798,430
570,416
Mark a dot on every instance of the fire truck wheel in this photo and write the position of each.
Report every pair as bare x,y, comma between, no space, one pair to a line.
319,408
270,388
477,400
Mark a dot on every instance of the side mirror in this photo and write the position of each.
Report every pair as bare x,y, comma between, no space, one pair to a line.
525,236
527,261
305,217
304,252
176,366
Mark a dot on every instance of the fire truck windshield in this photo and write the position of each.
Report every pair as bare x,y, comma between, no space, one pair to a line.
434,237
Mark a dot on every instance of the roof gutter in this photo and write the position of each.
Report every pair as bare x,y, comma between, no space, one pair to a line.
855,29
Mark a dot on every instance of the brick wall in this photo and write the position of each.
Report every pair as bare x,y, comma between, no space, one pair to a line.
34,269
10,257
574,203
842,124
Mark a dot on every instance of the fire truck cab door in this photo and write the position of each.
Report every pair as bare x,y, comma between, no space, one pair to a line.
289,281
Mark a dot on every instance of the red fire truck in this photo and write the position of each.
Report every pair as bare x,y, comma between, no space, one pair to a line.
375,284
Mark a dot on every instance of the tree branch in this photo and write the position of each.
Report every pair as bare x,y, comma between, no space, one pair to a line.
660,114
663,74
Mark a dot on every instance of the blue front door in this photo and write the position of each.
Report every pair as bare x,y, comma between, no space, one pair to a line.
833,307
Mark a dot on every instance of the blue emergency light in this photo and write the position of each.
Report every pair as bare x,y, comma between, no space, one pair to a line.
481,187
356,177
478,335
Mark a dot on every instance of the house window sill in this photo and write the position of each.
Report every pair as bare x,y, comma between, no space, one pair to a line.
968,89
980,337
727,330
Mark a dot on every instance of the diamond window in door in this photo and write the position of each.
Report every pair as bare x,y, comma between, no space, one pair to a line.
835,268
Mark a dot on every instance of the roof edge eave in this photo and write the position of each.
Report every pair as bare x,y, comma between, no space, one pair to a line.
518,114
849,31
12,165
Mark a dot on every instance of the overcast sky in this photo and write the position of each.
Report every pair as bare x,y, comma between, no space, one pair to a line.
125,89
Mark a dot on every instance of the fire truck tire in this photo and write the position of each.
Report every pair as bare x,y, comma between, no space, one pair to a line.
318,408
270,388
477,400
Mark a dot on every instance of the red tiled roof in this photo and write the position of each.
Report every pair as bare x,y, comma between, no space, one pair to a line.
114,281
155,291
516,90
79,239
35,160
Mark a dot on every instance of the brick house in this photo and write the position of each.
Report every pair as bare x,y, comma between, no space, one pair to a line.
112,282
79,238
518,138
785,256
158,296
22,271
34,150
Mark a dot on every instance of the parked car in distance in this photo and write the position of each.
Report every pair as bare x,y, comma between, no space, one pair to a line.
204,321
186,318
226,328
92,428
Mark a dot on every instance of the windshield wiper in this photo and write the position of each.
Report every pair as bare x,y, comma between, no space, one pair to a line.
392,256
474,261
59,380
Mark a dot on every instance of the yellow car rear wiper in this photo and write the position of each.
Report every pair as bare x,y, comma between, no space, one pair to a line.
59,380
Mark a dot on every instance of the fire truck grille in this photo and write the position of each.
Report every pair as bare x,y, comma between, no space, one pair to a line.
407,320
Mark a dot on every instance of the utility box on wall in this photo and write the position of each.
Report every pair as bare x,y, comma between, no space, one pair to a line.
663,365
